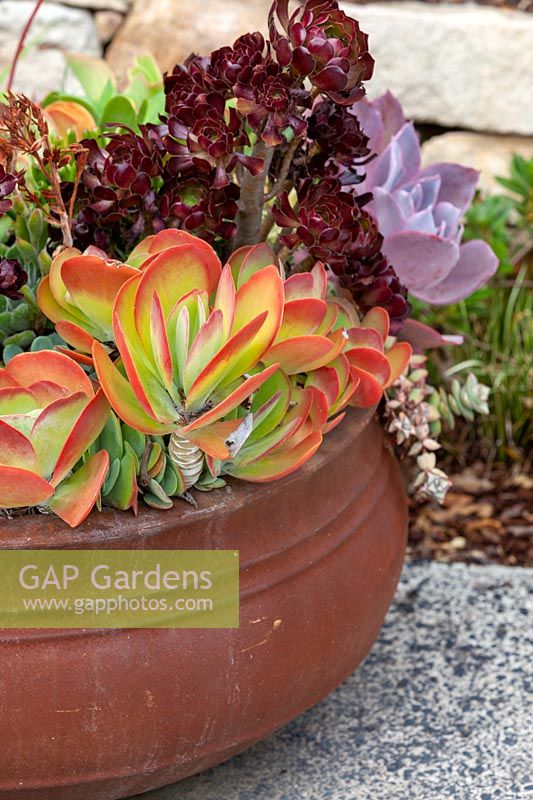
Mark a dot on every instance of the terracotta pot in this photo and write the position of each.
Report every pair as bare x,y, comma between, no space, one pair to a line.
110,713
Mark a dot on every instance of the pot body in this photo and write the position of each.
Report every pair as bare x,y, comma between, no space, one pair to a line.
110,713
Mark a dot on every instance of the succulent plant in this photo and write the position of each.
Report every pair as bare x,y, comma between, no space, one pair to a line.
462,400
12,278
336,131
320,42
115,197
49,417
267,98
191,365
328,224
416,410
245,372
23,260
419,211
78,296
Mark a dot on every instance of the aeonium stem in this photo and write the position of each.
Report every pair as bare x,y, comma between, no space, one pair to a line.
279,185
250,214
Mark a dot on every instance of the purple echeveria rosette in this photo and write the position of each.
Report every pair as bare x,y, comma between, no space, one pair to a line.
419,211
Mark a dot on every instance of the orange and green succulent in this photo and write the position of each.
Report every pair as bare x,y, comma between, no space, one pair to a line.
50,414
248,369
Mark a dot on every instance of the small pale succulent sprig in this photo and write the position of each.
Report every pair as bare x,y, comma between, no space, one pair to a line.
415,412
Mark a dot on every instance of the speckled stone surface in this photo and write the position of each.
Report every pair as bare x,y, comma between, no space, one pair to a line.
440,709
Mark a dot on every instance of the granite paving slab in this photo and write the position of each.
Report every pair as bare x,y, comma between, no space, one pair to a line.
440,710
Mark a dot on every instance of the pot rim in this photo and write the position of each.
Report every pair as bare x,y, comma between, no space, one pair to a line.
46,531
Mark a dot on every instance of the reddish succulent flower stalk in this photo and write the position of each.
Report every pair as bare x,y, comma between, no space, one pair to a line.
20,44
24,131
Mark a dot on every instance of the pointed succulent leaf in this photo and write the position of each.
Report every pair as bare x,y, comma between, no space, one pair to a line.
327,380
172,274
262,292
301,318
257,448
252,258
369,390
378,319
330,320
305,353
206,345
75,336
365,337
16,449
370,360
160,344
268,414
237,396
52,429
225,299
121,395
149,391
231,361
92,285
277,465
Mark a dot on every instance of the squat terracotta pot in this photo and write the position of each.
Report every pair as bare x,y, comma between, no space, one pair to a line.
106,714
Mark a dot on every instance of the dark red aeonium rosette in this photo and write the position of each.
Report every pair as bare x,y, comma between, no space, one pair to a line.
320,42
330,226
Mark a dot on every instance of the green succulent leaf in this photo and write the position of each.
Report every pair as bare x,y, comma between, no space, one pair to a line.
111,477
42,343
95,76
120,111
10,352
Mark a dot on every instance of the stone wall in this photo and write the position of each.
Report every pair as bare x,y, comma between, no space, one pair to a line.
460,66
80,26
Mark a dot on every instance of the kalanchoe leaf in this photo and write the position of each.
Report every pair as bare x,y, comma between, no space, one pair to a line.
12,278
321,42
59,417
